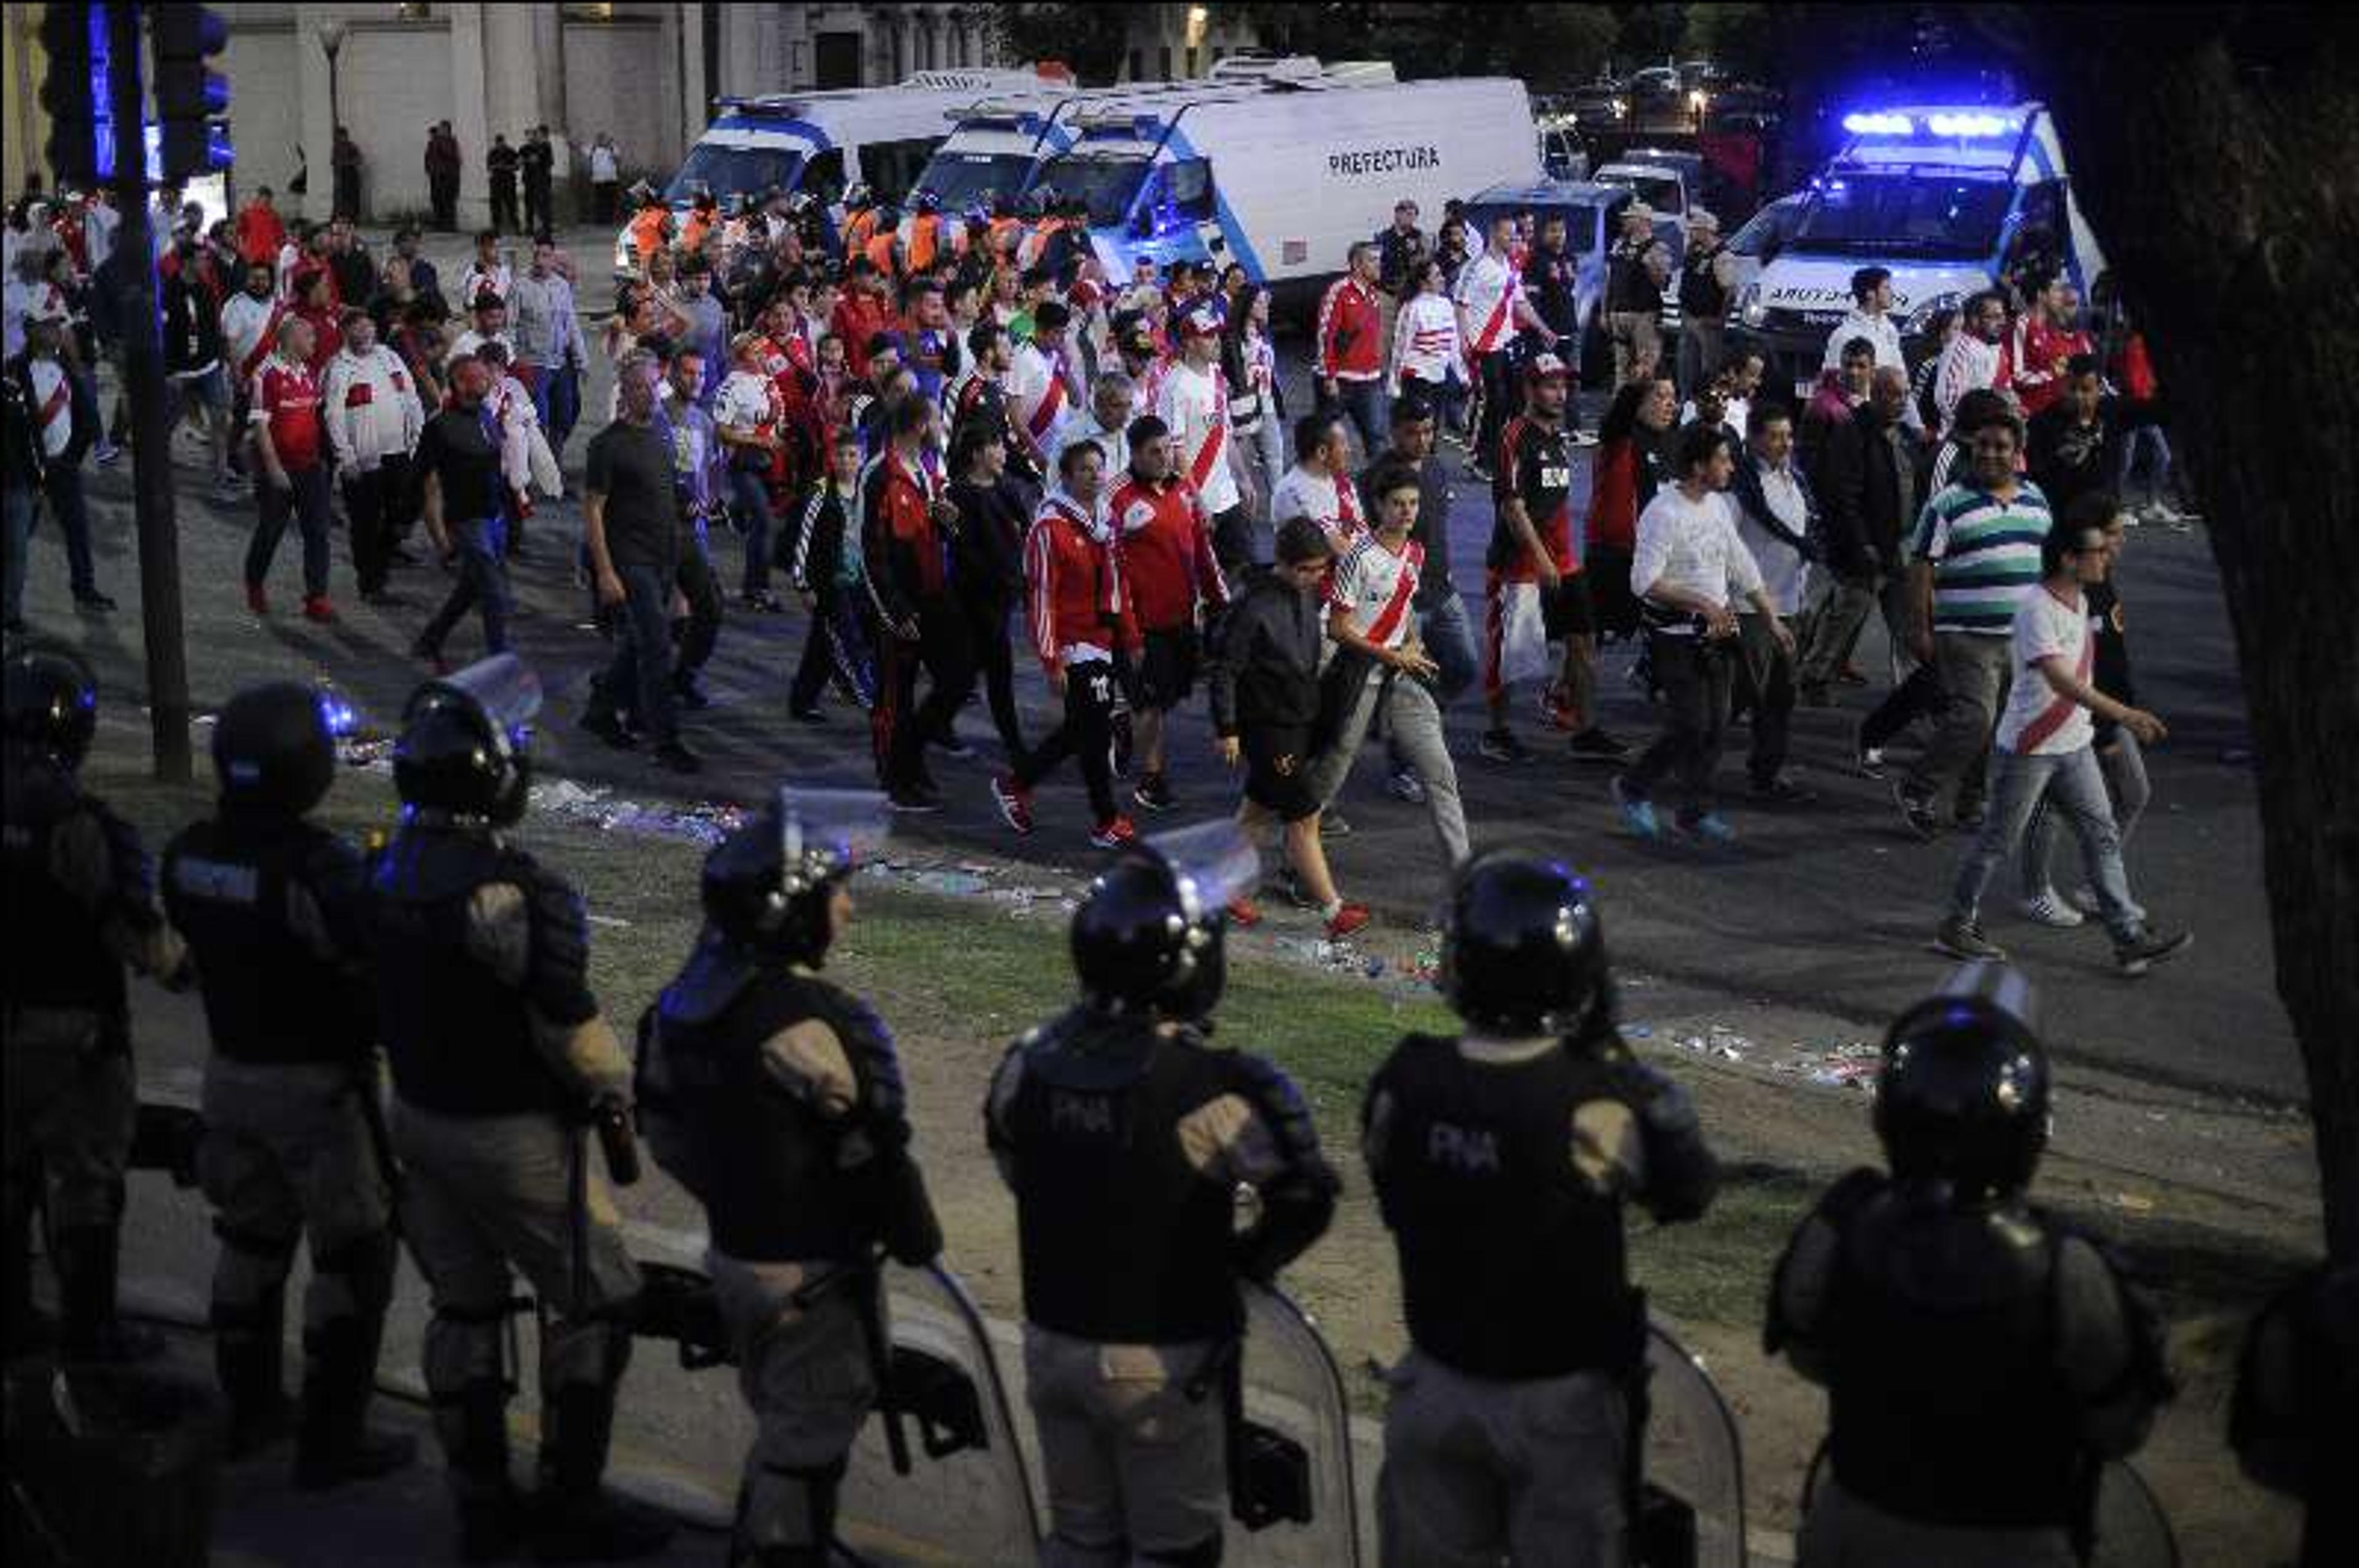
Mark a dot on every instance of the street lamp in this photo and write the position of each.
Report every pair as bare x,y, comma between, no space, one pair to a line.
332,43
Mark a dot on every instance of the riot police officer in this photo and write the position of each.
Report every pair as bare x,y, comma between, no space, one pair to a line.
500,1059
1124,1132
1502,1161
1981,1359
776,1098
81,902
271,908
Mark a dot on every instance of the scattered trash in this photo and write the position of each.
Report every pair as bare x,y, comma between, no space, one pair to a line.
2130,1202
706,823
615,921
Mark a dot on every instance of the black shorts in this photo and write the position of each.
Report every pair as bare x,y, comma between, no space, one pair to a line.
1612,607
1566,613
1167,669
1278,770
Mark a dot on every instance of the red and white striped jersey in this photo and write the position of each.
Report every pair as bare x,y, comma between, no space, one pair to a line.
1489,289
1375,589
1195,404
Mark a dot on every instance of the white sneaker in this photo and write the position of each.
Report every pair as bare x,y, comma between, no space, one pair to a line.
2050,911
1404,785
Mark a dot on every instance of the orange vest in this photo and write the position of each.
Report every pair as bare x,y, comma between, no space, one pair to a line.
1001,228
879,250
927,241
646,231
692,232
857,231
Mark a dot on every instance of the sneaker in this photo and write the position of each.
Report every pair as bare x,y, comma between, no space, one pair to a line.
1113,833
2148,947
1244,913
952,747
806,716
671,754
1403,784
916,799
257,602
1851,674
1594,745
1711,828
106,454
1636,811
1781,790
1333,824
1867,759
2085,900
1503,746
94,603
1964,939
1971,815
1154,794
1346,920
1916,810
1556,708
316,607
2050,911
1014,802
603,723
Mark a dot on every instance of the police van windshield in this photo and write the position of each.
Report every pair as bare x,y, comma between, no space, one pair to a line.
962,180
1661,193
733,170
1910,211
1108,184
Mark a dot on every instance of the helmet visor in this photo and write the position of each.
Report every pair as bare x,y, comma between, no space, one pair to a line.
1214,863
507,691
845,826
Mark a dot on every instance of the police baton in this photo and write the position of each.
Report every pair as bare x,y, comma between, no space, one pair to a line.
867,1281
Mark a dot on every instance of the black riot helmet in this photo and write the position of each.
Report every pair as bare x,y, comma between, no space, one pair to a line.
464,740
1148,937
1522,949
275,746
1963,1096
51,707
767,886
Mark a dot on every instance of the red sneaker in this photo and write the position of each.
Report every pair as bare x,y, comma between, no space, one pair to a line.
317,608
1348,919
256,601
1113,833
1244,913
1014,802
1556,708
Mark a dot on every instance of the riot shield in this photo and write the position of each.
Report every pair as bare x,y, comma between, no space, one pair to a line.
951,1486
1291,1462
1691,1495
2131,1529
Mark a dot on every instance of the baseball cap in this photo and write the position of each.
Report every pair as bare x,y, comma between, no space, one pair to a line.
1200,322
1638,210
1704,217
1546,367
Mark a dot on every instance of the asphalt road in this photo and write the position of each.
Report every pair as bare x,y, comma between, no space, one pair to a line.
1832,906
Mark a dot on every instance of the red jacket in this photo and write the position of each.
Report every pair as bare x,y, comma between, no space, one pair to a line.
858,318
1614,498
2135,370
900,548
1166,553
1351,332
1072,579
2038,346
259,234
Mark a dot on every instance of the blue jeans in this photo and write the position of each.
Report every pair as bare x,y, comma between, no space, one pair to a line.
639,674
2070,782
2122,761
750,499
1363,403
482,579
1449,639
304,502
557,398
71,512
2146,438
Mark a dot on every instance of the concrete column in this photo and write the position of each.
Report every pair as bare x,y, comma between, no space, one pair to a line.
314,121
471,115
695,93
549,53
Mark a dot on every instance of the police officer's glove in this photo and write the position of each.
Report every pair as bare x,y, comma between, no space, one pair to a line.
1662,1104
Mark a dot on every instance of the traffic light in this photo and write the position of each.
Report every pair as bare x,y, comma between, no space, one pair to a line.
74,93
189,94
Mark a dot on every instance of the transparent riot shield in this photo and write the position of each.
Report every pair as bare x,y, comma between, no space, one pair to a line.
950,1484
2131,1529
1291,1462
1691,1496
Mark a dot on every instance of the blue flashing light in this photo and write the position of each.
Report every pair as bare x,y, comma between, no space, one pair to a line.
1972,125
1947,126
1860,125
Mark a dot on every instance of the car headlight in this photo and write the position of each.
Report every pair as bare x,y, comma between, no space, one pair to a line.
1749,309
1920,319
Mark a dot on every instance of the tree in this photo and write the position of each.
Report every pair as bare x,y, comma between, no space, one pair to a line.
2215,151
1547,46
1090,38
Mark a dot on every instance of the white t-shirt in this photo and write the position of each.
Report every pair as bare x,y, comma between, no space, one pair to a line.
1692,545
2037,722
1328,501
1784,573
1195,404
603,169
747,401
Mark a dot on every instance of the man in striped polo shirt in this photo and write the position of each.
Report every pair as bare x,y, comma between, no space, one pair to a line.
1974,556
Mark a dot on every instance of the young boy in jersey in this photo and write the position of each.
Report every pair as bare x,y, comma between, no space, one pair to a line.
1174,585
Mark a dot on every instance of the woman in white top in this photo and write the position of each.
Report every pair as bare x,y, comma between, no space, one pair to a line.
1687,569
1427,348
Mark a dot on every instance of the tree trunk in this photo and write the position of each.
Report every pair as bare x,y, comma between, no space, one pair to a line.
2225,193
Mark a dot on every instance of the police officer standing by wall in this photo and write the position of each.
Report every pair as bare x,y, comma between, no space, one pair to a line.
1124,1133
271,906
1502,1160
500,1056
80,906
776,1098
1982,1360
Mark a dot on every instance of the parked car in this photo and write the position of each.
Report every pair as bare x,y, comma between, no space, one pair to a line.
1757,245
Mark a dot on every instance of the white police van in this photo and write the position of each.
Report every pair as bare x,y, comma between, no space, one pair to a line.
1282,171
824,143
1947,198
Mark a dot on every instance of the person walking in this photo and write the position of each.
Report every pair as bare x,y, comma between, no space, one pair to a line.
635,536
1688,566
464,503
2046,750
1492,310
291,469
1707,284
830,577
1196,404
62,407
1348,363
1175,586
444,166
605,179
988,565
906,514
1778,520
375,420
